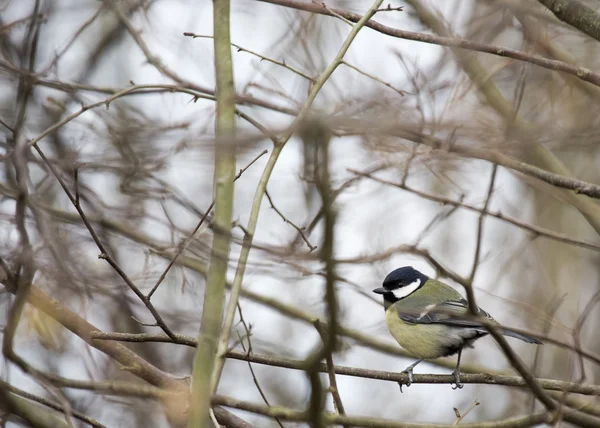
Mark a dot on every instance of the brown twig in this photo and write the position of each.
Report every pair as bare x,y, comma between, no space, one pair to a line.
535,230
300,230
370,76
248,351
582,73
477,378
330,369
461,416
262,57
358,421
183,246
104,254
50,404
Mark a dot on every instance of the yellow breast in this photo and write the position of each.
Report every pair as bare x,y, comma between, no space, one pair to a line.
424,341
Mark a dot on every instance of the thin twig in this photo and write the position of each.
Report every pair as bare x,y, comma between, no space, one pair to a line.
262,57
582,73
262,186
104,254
300,230
248,351
461,416
377,79
536,230
480,220
183,246
333,388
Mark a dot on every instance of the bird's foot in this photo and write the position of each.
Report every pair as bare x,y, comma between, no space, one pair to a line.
457,384
409,372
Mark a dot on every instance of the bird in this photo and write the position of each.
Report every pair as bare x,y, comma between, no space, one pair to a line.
429,318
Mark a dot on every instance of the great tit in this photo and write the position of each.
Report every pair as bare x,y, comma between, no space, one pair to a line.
427,318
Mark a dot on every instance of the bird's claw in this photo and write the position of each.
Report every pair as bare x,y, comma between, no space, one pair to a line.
409,372
457,383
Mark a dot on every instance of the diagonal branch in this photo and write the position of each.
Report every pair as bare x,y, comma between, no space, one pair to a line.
576,14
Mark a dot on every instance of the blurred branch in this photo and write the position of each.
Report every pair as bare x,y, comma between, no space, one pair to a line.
483,376
25,265
480,220
535,230
576,14
579,72
206,358
316,138
556,171
358,421
300,230
34,414
6,388
129,361
248,351
183,246
536,152
558,180
261,188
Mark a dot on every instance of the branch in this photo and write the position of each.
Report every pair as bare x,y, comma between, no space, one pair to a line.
261,188
6,388
526,132
129,360
35,415
206,358
262,57
300,230
358,421
535,230
468,151
582,73
577,418
182,247
484,378
576,14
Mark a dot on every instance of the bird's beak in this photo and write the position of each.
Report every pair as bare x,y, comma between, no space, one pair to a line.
380,290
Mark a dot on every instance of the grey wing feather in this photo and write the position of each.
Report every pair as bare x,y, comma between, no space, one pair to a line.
449,313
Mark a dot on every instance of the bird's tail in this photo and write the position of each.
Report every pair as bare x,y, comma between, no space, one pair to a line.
520,336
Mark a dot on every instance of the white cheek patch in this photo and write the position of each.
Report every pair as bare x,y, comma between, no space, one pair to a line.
402,292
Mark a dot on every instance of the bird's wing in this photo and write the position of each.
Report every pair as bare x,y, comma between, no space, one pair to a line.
449,313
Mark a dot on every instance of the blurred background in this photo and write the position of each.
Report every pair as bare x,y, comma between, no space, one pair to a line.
142,166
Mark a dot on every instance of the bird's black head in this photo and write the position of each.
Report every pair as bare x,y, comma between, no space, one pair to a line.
401,283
